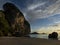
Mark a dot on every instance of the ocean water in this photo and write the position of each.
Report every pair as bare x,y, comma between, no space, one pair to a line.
45,36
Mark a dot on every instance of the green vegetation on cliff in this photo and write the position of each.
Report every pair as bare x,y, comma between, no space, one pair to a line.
4,26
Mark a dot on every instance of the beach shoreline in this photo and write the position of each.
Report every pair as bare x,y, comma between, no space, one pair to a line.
27,41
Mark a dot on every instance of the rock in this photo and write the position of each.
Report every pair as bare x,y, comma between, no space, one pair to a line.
12,13
34,33
50,36
54,35
4,26
16,19
27,27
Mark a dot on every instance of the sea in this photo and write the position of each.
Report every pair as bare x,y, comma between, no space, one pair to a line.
44,36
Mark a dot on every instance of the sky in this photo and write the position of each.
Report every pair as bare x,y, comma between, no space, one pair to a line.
43,15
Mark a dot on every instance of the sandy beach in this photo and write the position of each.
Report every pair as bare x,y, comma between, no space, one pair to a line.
27,41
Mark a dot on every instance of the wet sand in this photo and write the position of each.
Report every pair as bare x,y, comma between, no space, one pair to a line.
27,41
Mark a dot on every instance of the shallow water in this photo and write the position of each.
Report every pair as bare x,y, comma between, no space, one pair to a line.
45,36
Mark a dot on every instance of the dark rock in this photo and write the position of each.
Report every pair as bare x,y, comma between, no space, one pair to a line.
50,36
34,33
54,35
12,12
16,19
4,26
27,27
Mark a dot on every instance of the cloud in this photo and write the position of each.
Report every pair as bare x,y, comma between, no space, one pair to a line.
50,29
33,6
54,19
42,9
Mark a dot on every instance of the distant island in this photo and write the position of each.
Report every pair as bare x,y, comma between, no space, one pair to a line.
43,33
37,33
34,33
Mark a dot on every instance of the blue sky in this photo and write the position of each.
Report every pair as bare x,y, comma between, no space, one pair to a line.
41,14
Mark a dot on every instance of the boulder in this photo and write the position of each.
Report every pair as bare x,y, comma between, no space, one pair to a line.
53,35
50,36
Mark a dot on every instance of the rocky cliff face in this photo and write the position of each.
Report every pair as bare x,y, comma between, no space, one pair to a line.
16,20
4,26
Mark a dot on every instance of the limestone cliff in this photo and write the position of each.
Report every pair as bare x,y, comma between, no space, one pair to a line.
4,26
16,20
